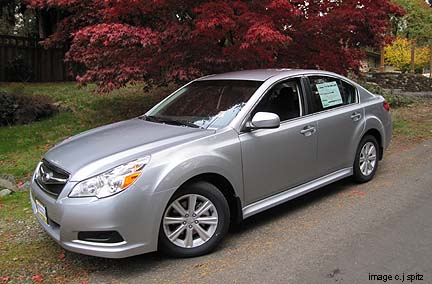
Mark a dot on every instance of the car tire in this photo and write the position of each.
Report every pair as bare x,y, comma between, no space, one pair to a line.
200,233
366,159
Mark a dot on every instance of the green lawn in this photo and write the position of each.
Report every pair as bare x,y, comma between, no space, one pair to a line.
413,123
22,146
25,250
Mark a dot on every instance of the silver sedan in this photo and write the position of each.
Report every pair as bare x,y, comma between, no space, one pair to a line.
218,150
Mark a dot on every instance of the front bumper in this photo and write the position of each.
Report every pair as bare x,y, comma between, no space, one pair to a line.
135,214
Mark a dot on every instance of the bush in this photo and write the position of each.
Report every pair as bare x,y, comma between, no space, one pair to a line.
16,108
8,106
396,101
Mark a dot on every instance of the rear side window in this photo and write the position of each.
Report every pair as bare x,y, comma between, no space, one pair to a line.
328,92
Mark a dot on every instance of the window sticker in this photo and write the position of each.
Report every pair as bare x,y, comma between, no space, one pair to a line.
329,94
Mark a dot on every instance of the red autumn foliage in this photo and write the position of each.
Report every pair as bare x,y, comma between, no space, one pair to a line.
122,41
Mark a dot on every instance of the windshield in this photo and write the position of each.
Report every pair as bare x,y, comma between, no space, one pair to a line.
210,104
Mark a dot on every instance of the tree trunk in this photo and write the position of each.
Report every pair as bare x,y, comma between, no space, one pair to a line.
41,24
382,62
413,46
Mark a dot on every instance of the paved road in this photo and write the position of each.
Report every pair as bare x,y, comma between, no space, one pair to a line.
339,234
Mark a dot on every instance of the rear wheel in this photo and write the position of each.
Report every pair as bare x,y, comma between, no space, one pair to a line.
195,221
366,161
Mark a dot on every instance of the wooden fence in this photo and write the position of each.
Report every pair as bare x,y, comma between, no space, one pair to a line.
24,59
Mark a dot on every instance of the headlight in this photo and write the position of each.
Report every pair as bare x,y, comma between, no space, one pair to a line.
112,181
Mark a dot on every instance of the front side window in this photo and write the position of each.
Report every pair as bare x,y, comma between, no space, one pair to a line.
328,92
283,99
210,104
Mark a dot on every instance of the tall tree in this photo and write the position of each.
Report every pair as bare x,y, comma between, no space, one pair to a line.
398,54
162,40
16,19
416,25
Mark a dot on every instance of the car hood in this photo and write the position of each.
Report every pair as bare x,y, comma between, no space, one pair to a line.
118,143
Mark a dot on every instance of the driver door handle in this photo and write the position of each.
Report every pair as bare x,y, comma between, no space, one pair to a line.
308,130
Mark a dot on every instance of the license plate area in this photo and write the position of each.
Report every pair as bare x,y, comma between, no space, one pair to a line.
41,211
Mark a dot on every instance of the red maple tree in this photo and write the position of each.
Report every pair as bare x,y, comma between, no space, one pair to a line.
157,41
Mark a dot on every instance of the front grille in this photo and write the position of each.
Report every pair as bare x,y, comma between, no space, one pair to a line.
51,178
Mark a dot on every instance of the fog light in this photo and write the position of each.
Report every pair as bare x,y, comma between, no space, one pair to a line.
101,237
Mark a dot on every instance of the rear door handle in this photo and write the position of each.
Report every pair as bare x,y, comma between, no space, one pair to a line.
355,116
308,130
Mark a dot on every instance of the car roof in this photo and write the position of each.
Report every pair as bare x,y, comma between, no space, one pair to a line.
261,74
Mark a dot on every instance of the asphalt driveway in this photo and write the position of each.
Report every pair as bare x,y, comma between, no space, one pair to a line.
343,233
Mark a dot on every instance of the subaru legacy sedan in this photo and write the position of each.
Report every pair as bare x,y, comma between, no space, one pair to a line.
218,150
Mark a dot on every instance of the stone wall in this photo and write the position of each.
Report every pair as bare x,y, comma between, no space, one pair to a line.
400,82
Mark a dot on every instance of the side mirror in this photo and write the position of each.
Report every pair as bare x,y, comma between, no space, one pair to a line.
264,120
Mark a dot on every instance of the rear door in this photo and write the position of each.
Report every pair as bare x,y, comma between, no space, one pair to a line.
340,122
277,159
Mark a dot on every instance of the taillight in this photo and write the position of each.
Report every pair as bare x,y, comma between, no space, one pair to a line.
386,105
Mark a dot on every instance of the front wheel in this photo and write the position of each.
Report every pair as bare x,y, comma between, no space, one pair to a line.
366,161
195,221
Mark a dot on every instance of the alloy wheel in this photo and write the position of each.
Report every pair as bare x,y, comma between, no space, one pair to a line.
190,221
368,158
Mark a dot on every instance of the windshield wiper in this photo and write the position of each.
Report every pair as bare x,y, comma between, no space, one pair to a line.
149,118
170,121
179,122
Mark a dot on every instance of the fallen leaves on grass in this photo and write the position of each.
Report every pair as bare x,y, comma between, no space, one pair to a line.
38,278
44,147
